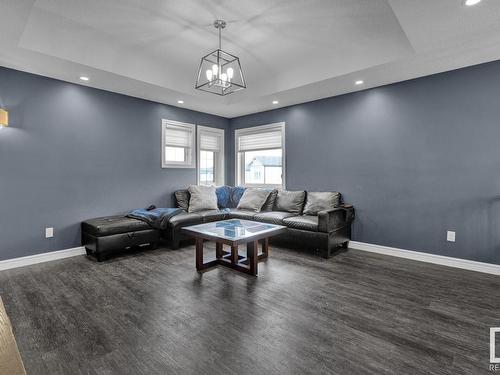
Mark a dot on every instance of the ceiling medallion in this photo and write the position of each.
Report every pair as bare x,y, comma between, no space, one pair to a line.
220,72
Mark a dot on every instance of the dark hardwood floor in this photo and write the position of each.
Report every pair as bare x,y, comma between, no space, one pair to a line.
152,313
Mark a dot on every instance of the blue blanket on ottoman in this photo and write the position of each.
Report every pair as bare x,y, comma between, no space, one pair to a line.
156,217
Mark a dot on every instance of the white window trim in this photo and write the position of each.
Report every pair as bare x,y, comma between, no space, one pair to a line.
219,170
238,164
192,157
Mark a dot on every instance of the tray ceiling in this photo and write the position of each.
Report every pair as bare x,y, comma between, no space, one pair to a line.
291,50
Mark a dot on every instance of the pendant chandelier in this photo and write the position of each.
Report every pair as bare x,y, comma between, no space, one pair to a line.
220,72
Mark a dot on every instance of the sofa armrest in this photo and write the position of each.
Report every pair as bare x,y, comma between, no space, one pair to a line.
336,218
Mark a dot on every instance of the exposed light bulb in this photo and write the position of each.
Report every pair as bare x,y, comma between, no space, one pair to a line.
472,2
209,74
180,101
275,102
230,73
83,78
223,77
360,82
215,69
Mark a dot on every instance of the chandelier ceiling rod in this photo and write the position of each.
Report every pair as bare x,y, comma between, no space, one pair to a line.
220,24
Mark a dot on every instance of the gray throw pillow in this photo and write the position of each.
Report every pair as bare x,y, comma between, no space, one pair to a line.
253,199
290,201
269,205
182,198
202,198
321,201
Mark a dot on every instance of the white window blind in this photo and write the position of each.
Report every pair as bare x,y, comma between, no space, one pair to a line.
260,141
210,142
178,136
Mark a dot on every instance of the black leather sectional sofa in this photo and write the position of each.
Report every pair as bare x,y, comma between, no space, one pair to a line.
325,231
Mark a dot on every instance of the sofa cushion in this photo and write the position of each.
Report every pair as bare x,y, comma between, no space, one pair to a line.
182,198
185,218
213,215
236,194
271,199
320,201
235,213
223,196
273,217
108,225
253,199
303,222
202,198
290,201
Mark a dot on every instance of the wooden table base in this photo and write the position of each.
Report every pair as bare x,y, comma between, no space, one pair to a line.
232,259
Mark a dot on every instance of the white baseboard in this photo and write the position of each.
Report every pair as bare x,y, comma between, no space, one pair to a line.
40,258
465,264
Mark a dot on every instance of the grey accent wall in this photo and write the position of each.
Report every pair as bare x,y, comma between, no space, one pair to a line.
73,153
416,159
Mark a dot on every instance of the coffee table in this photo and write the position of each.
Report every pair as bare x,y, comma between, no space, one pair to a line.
234,232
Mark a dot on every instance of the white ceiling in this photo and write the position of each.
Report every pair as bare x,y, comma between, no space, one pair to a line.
291,50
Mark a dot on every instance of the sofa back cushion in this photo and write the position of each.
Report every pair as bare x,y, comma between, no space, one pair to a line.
320,201
202,198
253,199
271,199
290,201
182,199
223,196
236,194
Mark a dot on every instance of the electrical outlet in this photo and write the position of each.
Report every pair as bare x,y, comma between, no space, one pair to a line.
49,232
450,236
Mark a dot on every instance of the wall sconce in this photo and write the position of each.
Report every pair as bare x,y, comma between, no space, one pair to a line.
4,118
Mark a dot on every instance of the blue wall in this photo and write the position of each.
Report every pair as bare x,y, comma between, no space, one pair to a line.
74,152
416,159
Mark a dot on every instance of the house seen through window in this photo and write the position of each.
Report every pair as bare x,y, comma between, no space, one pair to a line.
263,167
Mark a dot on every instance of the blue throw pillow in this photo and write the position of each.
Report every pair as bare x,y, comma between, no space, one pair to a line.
223,196
236,194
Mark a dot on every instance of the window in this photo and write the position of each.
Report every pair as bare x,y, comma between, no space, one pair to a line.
260,155
210,156
178,141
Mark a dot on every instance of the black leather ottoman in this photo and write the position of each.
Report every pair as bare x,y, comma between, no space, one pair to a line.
103,236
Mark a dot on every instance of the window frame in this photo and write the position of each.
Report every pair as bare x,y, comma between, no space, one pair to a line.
219,163
239,160
189,153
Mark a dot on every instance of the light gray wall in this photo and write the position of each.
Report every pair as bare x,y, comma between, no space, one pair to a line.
415,158
73,153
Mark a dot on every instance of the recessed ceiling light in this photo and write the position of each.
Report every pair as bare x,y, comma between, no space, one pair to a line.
275,102
360,82
180,101
472,2
83,78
